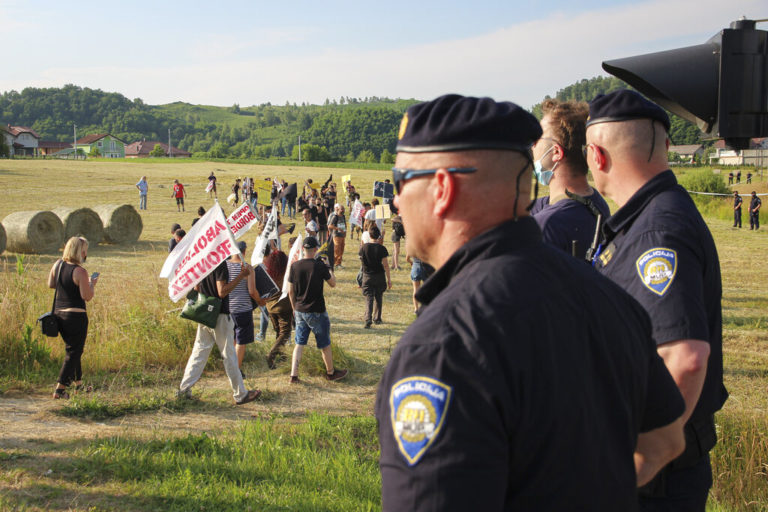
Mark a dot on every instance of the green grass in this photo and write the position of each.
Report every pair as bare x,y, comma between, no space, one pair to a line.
322,463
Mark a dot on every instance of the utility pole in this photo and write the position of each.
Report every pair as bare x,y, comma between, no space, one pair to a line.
299,148
74,142
169,143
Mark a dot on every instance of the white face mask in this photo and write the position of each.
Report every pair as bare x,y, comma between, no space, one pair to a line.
544,175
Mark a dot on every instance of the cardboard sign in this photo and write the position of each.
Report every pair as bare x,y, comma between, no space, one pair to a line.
264,190
383,211
293,256
357,214
346,178
209,243
383,190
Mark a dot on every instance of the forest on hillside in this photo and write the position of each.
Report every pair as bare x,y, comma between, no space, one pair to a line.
343,129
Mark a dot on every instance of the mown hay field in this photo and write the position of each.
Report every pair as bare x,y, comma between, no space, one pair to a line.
137,348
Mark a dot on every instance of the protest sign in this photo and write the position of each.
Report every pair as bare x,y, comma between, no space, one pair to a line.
210,186
383,190
383,211
346,178
242,220
269,233
293,256
264,190
206,246
357,213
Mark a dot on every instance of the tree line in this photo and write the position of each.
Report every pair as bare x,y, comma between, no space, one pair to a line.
347,129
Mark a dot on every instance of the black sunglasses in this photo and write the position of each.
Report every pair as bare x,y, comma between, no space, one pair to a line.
399,176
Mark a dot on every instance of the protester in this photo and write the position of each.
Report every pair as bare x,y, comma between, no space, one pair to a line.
658,248
420,271
323,210
200,213
305,289
310,226
218,284
527,381
398,233
376,279
73,289
337,225
241,300
143,188
179,193
172,242
212,185
280,311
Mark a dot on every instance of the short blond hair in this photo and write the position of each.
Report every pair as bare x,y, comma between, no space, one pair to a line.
73,251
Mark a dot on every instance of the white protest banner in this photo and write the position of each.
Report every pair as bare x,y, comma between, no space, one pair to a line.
206,246
293,256
357,213
242,220
269,233
210,186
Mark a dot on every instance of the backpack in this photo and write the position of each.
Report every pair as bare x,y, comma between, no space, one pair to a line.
399,229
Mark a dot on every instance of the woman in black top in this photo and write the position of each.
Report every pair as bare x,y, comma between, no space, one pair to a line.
73,289
375,274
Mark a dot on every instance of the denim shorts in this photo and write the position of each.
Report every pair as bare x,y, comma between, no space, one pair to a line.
417,271
318,323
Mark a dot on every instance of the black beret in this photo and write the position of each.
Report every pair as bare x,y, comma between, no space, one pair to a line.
456,123
624,105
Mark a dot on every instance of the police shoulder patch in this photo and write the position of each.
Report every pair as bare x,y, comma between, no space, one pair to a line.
657,268
418,407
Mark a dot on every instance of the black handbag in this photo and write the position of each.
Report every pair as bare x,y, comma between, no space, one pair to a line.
48,322
202,309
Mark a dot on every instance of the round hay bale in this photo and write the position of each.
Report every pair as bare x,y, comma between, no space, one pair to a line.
122,223
3,239
81,222
33,232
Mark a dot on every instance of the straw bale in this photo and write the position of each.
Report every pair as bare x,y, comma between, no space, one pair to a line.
33,232
3,239
81,222
122,223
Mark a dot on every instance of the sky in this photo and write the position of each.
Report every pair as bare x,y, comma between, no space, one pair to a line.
254,52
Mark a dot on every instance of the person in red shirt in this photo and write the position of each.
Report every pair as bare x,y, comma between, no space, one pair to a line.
179,193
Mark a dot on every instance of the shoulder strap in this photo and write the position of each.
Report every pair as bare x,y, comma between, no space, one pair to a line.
56,287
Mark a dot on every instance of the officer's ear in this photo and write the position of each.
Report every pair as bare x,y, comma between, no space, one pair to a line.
443,192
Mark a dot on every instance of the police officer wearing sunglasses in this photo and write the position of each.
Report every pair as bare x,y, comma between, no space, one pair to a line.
525,381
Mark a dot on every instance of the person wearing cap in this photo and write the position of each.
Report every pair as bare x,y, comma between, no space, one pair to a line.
218,284
737,202
657,247
241,303
754,211
568,215
305,289
524,382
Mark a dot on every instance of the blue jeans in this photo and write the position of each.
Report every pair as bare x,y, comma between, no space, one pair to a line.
263,322
318,323
142,201
283,201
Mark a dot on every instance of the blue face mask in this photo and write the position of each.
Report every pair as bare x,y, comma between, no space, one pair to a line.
544,175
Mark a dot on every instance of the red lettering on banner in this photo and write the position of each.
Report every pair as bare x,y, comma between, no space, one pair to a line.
213,258
209,234
219,227
250,216
203,266
175,288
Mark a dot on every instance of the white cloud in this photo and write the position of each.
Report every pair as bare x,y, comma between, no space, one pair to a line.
522,62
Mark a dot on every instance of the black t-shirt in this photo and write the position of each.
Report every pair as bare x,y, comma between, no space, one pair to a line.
307,277
322,217
208,285
372,255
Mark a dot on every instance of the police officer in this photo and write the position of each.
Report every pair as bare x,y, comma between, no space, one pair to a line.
754,211
568,215
736,209
658,248
526,380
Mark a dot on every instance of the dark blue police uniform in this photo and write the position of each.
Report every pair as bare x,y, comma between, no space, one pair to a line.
566,220
754,214
658,248
522,385
737,202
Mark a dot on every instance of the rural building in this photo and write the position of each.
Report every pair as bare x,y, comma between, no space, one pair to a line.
142,149
756,155
688,151
108,145
49,147
21,140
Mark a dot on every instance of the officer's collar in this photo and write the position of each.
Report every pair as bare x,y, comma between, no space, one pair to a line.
627,213
504,238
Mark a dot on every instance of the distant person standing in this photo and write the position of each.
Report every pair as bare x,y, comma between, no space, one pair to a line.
305,289
143,187
212,185
376,277
179,193
730,178
337,225
737,201
738,177
754,211
236,190
749,177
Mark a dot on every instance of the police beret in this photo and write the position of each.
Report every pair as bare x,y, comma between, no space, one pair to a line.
456,123
624,105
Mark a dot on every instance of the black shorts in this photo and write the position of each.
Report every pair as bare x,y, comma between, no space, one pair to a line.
180,201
